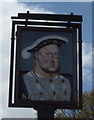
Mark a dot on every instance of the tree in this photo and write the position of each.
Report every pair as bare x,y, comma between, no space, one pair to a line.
86,112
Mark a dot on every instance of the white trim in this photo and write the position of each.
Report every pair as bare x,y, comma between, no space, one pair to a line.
26,54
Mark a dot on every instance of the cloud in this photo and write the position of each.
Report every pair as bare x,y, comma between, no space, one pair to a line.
55,0
4,1
93,57
0,63
87,55
9,9
87,66
12,9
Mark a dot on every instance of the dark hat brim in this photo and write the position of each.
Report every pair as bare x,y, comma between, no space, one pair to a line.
44,41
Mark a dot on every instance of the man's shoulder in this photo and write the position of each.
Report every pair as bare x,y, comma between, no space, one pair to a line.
67,77
27,75
64,78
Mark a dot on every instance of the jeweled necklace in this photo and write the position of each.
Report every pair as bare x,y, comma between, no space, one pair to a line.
40,86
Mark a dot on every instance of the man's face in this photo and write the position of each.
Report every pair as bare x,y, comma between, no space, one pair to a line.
48,58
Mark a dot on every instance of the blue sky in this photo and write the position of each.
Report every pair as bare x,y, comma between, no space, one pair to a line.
12,9
77,8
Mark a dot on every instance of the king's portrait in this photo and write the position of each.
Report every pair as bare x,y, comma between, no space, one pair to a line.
44,81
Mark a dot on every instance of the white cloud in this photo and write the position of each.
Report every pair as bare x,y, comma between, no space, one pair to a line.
56,0
87,79
9,9
93,57
12,9
0,63
87,55
87,66
4,1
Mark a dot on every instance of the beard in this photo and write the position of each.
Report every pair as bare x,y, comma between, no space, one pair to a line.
51,71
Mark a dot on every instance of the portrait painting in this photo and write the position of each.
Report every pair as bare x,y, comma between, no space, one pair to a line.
46,65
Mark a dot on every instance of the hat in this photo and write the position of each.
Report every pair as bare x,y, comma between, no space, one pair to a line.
43,41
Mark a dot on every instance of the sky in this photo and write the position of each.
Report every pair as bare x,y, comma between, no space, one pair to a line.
8,9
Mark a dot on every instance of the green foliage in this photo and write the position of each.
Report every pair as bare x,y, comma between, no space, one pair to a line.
86,112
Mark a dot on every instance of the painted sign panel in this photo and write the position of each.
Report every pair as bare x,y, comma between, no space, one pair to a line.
46,66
